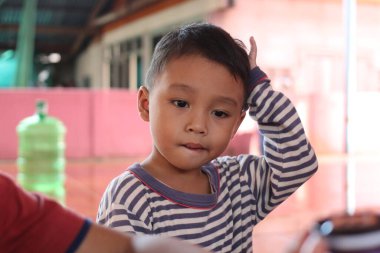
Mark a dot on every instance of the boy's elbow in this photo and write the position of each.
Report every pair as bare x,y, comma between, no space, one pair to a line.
314,163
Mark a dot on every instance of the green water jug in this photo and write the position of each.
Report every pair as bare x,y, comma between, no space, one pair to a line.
41,154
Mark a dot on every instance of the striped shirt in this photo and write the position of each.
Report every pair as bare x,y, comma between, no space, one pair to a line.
245,188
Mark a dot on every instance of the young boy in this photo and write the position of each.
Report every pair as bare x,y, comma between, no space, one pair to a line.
197,90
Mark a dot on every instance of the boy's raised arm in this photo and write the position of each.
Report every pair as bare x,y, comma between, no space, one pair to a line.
289,160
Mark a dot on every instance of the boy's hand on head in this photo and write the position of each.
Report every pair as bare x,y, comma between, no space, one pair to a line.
256,75
252,52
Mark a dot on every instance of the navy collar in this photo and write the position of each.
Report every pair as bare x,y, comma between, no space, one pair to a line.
191,200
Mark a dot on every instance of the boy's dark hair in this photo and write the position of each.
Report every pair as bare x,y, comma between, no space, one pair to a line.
202,39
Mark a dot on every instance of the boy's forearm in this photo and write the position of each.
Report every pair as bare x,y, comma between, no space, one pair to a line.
287,150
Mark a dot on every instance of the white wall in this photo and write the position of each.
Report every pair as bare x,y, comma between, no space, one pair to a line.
89,65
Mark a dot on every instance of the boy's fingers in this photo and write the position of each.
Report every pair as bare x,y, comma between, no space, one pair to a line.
252,52
252,41
253,46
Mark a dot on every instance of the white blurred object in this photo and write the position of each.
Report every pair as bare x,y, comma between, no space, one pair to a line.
149,244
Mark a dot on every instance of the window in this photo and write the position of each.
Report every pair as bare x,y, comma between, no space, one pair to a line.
126,64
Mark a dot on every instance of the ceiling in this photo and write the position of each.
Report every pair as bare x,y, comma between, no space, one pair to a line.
63,26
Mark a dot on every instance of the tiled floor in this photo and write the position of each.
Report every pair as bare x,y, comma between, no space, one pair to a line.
324,194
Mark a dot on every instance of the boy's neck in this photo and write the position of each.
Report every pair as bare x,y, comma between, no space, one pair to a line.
195,181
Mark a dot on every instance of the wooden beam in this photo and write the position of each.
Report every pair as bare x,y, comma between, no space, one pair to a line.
48,5
129,8
128,16
88,29
59,30
42,47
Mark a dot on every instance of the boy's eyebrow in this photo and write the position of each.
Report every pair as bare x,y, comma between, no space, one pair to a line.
227,100
187,88
181,86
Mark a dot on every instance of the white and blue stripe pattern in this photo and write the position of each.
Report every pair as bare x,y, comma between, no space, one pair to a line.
245,188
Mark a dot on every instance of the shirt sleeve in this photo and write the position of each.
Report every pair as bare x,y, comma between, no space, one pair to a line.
118,209
288,160
37,224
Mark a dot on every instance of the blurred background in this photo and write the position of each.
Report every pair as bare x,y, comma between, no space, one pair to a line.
87,58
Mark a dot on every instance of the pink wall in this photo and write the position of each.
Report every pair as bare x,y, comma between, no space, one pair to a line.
300,46
100,123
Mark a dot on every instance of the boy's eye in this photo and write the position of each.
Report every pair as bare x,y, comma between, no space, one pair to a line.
180,103
220,114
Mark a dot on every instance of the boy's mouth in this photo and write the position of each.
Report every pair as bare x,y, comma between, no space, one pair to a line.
194,146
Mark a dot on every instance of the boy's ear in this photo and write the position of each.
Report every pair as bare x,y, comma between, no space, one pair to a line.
242,116
143,103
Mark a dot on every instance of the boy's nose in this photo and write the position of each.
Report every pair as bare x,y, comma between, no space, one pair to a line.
198,125
196,129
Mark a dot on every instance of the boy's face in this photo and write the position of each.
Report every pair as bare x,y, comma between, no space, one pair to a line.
194,109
